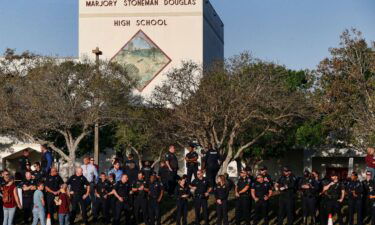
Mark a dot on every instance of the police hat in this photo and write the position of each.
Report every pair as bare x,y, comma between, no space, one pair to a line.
192,145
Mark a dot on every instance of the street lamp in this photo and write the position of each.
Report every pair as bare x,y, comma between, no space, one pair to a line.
97,53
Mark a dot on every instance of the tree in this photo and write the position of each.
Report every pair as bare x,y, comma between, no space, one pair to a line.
231,105
346,90
50,98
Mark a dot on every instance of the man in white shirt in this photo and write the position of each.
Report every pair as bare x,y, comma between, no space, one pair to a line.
91,174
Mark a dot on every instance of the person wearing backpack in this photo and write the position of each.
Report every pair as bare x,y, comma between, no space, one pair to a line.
10,199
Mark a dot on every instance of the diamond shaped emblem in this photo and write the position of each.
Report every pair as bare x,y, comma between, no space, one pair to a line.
143,59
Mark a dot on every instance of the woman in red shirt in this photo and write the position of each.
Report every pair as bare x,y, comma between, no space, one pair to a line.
370,161
10,199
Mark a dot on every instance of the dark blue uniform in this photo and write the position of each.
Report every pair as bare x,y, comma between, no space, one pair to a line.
182,203
192,167
261,207
309,197
78,185
200,200
27,199
155,190
102,202
355,194
123,190
53,183
367,189
333,194
140,202
243,201
287,186
222,193
172,178
212,165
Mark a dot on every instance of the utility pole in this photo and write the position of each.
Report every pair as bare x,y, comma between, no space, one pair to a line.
97,53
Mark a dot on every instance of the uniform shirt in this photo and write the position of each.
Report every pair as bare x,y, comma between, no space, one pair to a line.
123,189
172,159
180,191
103,188
147,170
155,189
138,184
23,160
192,155
222,191
46,162
261,189
38,175
163,173
212,159
268,179
28,183
334,191
355,186
314,187
241,184
117,173
202,186
78,184
289,184
54,182
132,175
90,172
130,161
367,186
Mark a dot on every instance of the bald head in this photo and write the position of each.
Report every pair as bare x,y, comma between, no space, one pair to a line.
79,171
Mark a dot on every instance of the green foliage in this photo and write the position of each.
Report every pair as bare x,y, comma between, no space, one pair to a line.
310,134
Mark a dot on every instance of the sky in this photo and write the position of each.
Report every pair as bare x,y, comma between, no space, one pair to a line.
295,33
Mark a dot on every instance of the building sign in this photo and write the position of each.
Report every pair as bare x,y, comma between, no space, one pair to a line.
148,37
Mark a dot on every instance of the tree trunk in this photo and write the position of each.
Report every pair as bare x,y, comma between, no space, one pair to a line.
228,159
72,161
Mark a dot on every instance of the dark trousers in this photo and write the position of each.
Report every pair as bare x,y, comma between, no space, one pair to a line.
211,175
334,207
355,205
286,208
243,209
140,203
373,215
101,205
261,211
122,207
182,209
323,215
222,213
172,182
154,211
190,172
50,206
367,208
201,205
78,202
309,206
27,206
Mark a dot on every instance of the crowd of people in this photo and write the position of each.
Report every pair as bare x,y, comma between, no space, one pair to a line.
132,192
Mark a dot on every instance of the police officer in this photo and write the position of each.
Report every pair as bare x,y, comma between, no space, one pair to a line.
201,189
140,191
111,198
191,159
287,185
335,194
102,189
130,160
212,163
52,187
132,172
221,191
28,186
147,170
155,194
37,174
368,184
79,190
23,161
172,164
261,192
182,193
163,174
242,191
122,191
264,172
355,191
310,189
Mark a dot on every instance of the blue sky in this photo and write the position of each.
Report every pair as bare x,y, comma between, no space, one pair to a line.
296,33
